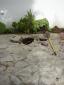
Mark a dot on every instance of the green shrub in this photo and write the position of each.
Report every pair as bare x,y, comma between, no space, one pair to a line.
26,24
8,30
15,27
2,27
41,23
22,27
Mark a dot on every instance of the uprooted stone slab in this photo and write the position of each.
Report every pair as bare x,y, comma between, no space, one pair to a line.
45,43
27,39
15,39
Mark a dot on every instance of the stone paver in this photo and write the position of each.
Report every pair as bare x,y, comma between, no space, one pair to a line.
31,64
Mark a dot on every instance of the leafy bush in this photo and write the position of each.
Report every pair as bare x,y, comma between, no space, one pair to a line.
8,30
41,23
15,27
2,27
26,24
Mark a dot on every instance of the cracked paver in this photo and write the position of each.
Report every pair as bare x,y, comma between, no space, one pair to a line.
31,64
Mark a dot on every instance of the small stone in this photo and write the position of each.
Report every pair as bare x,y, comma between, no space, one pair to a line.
2,68
57,78
4,79
44,43
15,39
14,80
7,59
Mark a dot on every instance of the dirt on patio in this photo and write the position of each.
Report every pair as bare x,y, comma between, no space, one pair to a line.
33,63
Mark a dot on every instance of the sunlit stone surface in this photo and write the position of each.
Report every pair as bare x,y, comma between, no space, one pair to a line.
31,64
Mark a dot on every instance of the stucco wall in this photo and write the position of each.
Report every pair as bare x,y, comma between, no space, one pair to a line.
51,9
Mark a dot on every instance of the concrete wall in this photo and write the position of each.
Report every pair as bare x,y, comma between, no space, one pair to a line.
51,9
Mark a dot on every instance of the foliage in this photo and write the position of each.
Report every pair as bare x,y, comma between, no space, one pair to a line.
8,30
26,24
15,27
41,23
2,27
